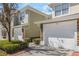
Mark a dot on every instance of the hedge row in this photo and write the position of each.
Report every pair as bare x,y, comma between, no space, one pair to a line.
13,46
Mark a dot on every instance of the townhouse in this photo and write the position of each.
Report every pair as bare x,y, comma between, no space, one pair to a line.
61,31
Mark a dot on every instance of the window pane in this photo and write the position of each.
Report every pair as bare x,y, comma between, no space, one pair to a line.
22,17
64,11
57,8
4,33
65,6
16,21
57,13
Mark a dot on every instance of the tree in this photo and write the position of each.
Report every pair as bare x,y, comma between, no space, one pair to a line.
6,13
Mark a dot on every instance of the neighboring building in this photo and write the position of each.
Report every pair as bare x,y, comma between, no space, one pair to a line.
3,31
62,29
27,28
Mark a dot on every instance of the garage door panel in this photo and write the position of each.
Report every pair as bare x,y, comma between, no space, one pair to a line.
62,31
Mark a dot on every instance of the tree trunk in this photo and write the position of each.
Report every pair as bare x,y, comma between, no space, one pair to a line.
9,37
9,34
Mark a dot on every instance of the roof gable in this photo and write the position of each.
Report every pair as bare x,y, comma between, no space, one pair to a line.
33,9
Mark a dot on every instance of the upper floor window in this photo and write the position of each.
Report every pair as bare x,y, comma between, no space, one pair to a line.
16,20
65,8
23,17
58,10
61,9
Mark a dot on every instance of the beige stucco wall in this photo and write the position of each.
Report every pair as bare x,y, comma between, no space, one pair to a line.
74,9
33,30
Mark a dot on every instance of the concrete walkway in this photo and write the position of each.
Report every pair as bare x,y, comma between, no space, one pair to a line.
41,51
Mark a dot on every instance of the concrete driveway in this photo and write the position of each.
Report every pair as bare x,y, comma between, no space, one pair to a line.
34,50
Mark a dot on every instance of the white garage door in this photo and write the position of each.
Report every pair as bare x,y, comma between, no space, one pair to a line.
61,34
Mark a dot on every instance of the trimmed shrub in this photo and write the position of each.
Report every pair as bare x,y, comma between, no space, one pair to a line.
4,42
36,41
13,46
16,41
10,48
2,53
23,45
27,40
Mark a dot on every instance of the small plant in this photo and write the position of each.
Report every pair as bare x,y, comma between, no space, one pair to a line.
37,41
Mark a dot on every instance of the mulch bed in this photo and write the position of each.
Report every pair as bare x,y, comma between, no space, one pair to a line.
19,52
